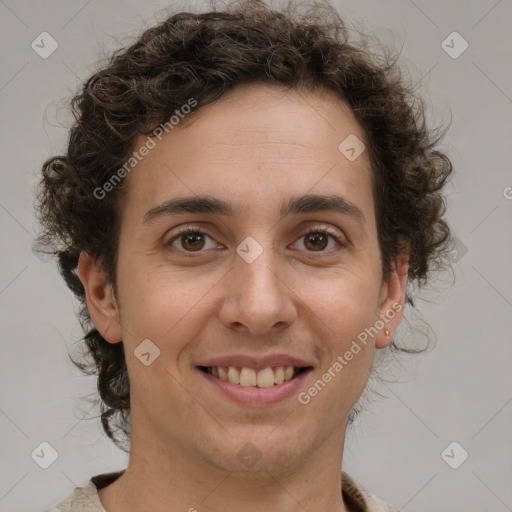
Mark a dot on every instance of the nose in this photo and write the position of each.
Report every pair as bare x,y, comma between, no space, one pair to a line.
257,299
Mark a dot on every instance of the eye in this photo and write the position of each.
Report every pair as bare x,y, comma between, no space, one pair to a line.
190,240
317,240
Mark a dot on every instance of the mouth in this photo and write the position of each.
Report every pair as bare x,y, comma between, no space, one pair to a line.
268,377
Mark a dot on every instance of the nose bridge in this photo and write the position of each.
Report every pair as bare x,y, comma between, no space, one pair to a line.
257,296
260,275
257,270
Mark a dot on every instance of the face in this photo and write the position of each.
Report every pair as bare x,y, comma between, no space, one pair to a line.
265,278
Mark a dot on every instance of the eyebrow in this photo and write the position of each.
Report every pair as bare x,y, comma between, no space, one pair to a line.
294,205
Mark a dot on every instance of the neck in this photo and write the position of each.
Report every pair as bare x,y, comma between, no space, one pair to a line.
163,478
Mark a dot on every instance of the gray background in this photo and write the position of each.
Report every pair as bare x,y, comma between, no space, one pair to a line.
460,391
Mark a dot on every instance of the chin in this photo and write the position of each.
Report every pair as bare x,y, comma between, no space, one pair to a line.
259,451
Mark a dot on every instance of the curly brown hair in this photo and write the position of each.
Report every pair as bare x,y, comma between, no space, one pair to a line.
202,56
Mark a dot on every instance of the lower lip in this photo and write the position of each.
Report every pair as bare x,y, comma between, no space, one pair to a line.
254,395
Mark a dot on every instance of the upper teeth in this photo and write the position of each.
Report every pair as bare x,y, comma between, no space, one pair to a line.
249,377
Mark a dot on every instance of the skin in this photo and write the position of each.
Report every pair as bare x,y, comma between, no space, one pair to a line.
257,146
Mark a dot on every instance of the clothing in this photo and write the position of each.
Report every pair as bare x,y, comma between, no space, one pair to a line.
86,499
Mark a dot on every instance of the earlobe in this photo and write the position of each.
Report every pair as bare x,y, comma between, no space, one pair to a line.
393,301
101,301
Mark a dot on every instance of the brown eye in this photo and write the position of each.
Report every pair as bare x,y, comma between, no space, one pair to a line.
190,240
316,241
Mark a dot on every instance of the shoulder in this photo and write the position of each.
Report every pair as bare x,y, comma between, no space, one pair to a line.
360,499
86,499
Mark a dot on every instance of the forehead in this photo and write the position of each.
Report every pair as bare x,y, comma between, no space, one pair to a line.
260,141
267,115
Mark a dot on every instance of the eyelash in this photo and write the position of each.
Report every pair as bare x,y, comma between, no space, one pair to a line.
190,230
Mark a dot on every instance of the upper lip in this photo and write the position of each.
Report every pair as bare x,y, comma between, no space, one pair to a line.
258,363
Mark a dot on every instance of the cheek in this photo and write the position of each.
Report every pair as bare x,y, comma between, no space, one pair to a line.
160,307
346,310
168,307
346,302
345,318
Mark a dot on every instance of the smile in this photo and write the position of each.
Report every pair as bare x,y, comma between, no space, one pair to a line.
254,388
249,377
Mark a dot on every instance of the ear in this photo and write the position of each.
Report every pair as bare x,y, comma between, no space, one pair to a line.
392,300
101,301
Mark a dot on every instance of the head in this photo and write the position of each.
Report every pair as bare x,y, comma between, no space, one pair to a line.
309,145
